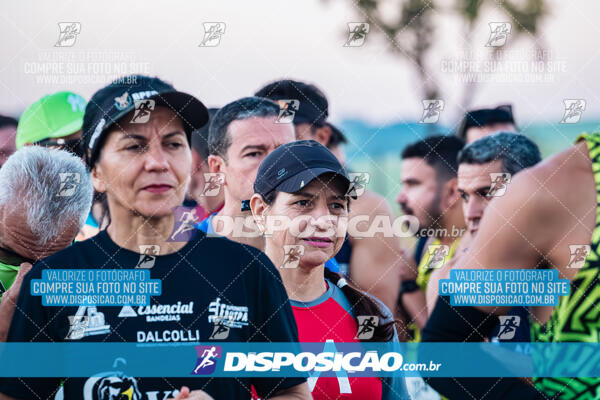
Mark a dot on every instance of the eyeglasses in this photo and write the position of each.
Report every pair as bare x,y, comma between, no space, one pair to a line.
71,145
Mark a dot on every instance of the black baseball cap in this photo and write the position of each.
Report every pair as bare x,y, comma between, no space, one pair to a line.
313,107
114,101
294,165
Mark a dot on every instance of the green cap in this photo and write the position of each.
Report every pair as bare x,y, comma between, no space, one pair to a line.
53,116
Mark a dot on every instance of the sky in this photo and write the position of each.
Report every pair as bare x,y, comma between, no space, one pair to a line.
270,39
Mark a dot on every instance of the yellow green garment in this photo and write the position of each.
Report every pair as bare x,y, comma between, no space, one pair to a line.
8,274
424,273
576,318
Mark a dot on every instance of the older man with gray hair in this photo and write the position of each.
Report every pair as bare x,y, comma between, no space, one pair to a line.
45,198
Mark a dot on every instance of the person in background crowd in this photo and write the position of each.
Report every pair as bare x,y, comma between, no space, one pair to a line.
208,201
429,193
336,143
241,134
485,121
371,263
546,219
325,306
40,214
144,169
480,164
55,121
8,131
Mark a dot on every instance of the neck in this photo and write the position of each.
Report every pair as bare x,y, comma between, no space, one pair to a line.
242,227
304,283
9,257
131,231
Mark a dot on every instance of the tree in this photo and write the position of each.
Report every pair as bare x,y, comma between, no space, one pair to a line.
413,32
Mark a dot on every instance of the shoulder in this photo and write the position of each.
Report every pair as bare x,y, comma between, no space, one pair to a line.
540,191
238,257
67,257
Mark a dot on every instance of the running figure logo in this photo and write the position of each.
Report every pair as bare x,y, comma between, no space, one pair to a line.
220,332
499,32
143,108
431,111
358,183
437,254
185,224
579,253
68,183
366,326
212,34
499,180
357,33
292,254
148,253
287,111
508,326
574,108
68,32
206,363
212,183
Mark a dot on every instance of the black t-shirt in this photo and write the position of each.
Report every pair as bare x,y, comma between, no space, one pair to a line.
206,272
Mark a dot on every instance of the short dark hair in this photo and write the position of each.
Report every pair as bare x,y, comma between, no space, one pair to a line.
485,117
337,137
516,151
200,136
247,107
314,107
8,121
440,152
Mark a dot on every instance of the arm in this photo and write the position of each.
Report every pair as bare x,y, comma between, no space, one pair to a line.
9,301
376,261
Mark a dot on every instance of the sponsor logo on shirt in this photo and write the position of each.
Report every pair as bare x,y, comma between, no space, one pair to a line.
159,312
173,335
227,315
87,321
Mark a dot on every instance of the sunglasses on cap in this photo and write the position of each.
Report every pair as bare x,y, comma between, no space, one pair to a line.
70,145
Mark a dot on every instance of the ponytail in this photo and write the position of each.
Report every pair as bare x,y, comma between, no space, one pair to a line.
363,304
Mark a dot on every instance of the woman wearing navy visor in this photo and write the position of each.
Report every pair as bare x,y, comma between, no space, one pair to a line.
304,183
140,158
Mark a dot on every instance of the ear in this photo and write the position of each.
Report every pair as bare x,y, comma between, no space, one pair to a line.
216,163
258,207
323,134
451,195
97,179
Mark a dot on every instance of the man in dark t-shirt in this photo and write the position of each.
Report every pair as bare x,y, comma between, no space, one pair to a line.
204,277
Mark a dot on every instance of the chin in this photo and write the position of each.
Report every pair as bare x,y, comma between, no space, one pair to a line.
316,257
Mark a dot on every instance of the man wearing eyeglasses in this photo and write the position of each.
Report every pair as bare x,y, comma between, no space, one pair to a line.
53,121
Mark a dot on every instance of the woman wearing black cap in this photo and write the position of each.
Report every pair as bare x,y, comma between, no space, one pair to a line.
140,158
305,184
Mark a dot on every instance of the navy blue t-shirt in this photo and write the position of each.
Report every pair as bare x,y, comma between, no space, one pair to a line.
205,272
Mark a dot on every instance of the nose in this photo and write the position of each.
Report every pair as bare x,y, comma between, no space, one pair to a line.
474,208
155,157
322,218
401,197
